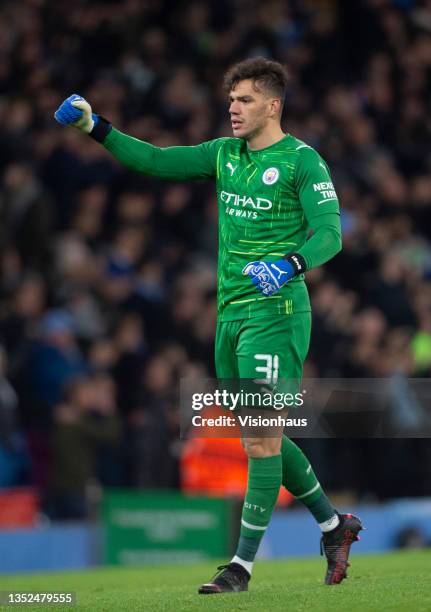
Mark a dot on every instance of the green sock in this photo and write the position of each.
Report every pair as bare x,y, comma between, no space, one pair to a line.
264,480
301,481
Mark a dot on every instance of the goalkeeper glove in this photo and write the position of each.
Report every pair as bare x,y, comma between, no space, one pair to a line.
76,111
269,277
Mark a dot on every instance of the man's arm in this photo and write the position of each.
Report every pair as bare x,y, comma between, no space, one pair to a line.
321,207
320,204
172,163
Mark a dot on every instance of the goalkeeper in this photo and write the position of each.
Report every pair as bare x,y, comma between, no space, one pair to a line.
273,191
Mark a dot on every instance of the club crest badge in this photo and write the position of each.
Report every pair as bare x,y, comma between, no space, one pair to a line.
270,176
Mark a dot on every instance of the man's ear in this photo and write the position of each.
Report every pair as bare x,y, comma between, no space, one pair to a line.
275,107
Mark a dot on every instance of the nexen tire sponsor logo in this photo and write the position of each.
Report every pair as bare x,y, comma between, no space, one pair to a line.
238,200
326,191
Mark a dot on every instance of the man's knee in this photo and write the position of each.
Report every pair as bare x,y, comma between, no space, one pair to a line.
258,448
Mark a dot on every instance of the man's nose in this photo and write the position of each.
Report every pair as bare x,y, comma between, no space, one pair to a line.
234,107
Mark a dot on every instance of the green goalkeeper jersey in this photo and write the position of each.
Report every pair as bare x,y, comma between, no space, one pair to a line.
271,202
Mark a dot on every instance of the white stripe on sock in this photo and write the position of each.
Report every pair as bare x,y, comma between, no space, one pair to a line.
247,565
250,526
330,524
309,492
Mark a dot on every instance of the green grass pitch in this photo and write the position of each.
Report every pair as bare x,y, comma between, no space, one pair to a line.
394,581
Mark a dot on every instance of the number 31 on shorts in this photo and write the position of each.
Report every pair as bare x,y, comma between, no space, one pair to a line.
268,367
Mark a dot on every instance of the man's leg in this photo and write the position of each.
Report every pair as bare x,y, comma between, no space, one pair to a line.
300,480
264,474
339,531
264,480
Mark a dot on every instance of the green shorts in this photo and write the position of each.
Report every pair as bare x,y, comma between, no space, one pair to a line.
273,347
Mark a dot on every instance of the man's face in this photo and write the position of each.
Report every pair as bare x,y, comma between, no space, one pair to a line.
249,110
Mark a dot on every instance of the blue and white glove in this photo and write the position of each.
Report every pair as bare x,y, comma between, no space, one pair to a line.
76,111
270,276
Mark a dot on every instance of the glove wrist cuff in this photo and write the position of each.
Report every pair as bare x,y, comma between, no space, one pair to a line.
101,129
297,262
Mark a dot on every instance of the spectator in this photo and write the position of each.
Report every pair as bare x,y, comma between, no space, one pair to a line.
54,359
85,445
14,456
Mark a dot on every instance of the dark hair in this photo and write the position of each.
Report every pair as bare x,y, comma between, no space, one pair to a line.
266,75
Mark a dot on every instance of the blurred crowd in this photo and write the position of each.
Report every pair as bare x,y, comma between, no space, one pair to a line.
108,278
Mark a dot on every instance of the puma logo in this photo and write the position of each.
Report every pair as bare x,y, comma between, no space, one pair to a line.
280,272
231,168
